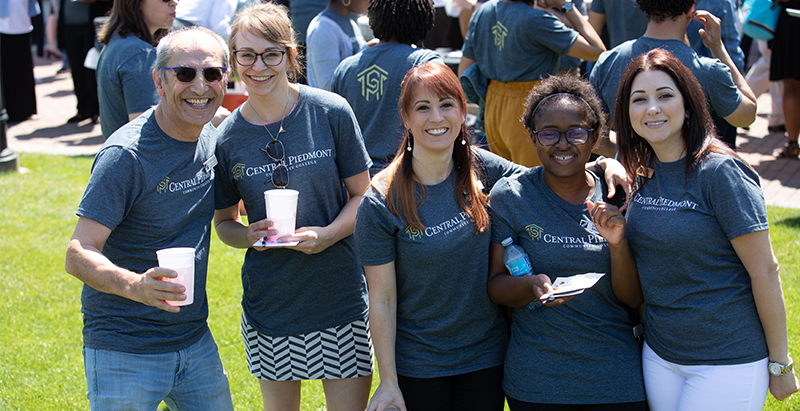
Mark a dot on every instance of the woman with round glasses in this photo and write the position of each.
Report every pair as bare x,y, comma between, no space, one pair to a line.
125,86
574,352
304,305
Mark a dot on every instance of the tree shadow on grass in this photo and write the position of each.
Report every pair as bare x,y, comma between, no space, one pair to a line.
791,222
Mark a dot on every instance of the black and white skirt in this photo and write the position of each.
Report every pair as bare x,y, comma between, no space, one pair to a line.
333,353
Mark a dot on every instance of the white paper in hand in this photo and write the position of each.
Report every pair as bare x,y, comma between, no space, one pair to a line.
264,242
574,285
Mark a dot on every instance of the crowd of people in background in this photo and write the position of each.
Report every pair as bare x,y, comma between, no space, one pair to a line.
422,138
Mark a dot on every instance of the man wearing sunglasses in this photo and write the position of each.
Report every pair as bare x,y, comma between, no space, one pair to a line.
152,188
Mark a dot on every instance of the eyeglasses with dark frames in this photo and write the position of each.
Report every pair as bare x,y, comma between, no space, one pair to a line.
186,74
280,174
575,136
269,57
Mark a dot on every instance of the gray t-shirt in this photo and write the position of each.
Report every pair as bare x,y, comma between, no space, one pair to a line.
153,192
514,42
331,38
287,292
125,80
624,20
302,12
700,307
446,324
580,352
370,81
721,92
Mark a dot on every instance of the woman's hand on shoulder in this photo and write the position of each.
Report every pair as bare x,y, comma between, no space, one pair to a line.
615,175
784,386
608,220
387,397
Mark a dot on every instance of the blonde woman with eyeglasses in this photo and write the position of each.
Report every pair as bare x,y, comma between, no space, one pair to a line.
305,296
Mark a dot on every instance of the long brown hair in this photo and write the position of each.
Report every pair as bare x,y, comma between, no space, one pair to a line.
401,195
699,134
126,18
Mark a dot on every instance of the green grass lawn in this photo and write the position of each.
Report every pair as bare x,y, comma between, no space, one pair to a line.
41,365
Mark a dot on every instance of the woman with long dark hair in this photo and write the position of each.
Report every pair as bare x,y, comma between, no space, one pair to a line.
125,85
697,224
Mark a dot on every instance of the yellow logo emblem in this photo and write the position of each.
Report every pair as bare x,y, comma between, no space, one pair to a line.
500,32
413,234
534,231
162,186
371,80
238,171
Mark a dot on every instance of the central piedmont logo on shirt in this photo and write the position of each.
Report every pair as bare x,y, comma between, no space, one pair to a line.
240,170
162,186
413,233
372,80
592,237
500,32
534,231
662,204
201,178
445,227
237,171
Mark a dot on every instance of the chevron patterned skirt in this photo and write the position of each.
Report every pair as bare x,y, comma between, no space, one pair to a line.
334,353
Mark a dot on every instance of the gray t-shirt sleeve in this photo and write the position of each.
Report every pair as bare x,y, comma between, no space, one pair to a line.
110,194
375,235
737,214
136,76
723,94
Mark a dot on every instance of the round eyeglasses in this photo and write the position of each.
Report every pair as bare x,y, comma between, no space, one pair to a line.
269,57
575,136
186,74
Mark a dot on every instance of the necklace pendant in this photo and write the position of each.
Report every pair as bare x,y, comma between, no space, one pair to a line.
282,130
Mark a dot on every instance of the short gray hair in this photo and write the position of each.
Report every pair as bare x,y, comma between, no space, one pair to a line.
164,48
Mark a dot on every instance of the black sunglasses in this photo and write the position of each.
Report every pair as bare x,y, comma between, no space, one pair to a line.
280,174
187,74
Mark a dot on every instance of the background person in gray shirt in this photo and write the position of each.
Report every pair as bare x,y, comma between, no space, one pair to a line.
370,80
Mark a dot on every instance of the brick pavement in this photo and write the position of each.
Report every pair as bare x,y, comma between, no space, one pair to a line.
47,132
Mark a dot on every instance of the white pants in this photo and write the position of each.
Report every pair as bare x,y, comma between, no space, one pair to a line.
674,387
758,80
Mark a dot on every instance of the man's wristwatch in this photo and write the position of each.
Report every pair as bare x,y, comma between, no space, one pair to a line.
778,369
567,6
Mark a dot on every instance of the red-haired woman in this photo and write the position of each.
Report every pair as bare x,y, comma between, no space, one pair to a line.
423,237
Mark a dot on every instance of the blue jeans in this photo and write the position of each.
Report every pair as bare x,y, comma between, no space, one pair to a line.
190,379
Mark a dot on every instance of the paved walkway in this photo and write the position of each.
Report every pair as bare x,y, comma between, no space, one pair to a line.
48,132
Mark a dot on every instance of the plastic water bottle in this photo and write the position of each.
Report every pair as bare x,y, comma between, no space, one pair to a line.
518,264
